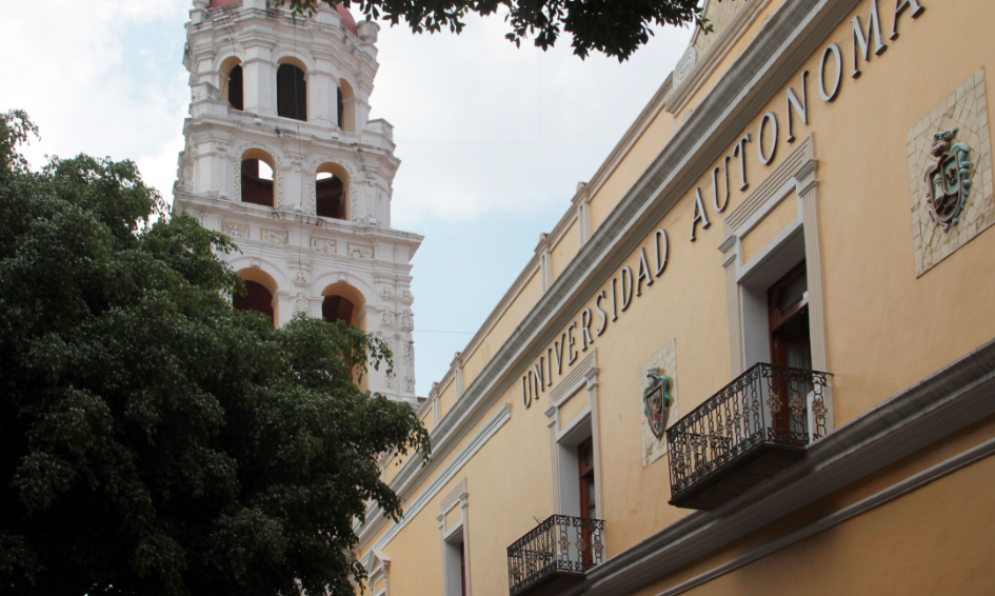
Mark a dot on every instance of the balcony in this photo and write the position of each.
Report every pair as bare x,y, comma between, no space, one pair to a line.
555,555
753,428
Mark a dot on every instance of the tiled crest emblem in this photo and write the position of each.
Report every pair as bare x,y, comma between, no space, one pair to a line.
948,182
656,403
950,174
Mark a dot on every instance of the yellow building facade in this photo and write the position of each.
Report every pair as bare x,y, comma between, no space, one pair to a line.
756,354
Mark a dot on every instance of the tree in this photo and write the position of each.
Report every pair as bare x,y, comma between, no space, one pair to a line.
153,440
614,27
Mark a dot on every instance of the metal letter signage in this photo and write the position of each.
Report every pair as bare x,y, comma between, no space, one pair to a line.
656,403
948,181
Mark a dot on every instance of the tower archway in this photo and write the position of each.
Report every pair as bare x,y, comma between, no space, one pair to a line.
291,89
258,178
331,191
343,302
346,103
231,83
260,292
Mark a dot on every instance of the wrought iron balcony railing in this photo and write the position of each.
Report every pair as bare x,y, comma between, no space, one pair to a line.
555,555
750,430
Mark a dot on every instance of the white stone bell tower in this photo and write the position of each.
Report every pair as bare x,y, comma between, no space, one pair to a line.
281,155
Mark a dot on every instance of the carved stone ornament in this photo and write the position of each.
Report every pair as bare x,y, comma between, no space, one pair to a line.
343,277
255,263
406,297
948,180
387,292
656,403
359,251
409,384
324,245
235,230
685,65
273,236
301,278
387,319
300,304
407,320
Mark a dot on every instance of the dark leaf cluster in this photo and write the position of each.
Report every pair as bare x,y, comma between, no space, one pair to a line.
616,28
153,440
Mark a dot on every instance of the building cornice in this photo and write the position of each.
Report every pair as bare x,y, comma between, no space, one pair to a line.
709,61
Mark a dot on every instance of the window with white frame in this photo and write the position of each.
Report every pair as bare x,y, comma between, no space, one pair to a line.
774,274
454,527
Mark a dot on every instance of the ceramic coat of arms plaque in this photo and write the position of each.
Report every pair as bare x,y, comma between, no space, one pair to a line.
948,182
656,404
950,174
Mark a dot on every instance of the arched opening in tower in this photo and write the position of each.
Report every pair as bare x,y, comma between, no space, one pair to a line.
257,182
231,82
291,92
329,192
346,102
257,298
235,87
337,308
340,106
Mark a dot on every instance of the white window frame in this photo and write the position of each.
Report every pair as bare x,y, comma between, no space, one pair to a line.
566,435
452,536
381,571
747,281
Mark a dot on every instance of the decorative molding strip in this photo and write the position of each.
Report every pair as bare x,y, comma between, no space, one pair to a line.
441,479
954,397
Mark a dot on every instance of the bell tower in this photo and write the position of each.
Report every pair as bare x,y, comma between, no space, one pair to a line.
281,156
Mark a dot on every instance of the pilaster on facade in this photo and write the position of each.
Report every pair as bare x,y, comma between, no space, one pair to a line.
457,366
543,252
582,204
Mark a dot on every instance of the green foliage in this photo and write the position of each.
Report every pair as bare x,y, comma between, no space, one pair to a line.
614,27
153,440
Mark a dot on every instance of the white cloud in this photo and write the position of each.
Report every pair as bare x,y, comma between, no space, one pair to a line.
101,77
483,127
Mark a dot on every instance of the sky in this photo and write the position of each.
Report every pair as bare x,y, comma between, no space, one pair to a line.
493,139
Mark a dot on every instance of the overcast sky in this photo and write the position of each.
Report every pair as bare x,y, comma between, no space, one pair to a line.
493,139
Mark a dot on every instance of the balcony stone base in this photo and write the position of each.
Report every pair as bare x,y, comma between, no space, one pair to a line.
739,475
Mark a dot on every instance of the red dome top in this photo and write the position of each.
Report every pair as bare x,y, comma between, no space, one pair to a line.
347,21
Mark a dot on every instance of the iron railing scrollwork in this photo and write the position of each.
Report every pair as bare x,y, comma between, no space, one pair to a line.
766,404
560,544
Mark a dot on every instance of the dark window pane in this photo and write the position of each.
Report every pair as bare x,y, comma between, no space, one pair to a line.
330,198
291,92
235,88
